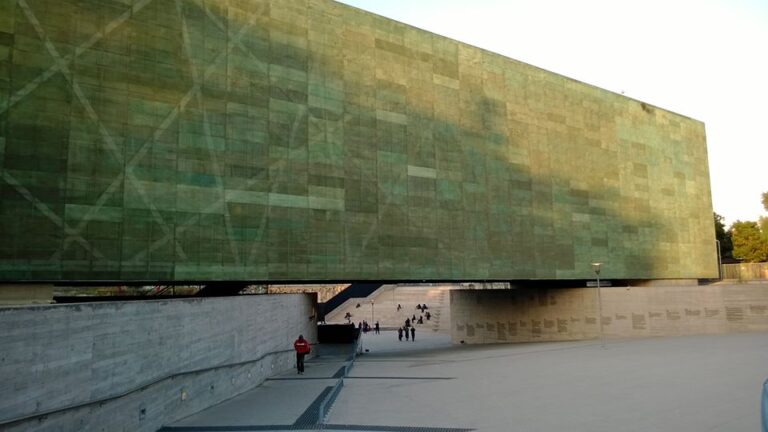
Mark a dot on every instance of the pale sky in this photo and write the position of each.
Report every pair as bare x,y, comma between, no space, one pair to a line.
706,59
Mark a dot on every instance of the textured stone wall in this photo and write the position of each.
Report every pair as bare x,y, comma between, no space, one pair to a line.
525,315
59,356
308,140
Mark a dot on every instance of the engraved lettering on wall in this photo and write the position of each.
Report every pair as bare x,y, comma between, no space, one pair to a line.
638,321
734,313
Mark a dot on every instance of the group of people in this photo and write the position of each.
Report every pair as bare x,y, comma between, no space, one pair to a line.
302,347
409,330
405,330
423,308
365,327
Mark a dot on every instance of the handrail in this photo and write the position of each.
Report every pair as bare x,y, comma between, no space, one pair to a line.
141,387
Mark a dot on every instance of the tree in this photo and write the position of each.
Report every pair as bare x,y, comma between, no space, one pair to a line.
764,220
763,223
765,200
724,237
749,244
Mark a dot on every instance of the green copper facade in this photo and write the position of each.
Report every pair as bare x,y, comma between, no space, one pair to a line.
307,140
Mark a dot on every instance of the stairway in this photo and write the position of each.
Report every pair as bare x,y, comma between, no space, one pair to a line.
384,310
351,294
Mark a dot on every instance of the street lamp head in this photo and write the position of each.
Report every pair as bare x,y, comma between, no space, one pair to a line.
596,267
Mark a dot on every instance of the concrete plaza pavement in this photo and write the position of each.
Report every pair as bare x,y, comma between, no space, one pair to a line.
697,383
283,402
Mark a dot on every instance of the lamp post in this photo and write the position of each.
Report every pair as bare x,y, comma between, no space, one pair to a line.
596,269
372,320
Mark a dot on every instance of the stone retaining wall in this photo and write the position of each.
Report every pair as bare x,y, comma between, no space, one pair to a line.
529,315
151,362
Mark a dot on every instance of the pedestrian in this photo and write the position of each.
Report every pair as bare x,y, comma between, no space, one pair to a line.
302,349
413,334
421,319
399,307
400,334
413,319
406,334
428,315
377,329
418,306
407,322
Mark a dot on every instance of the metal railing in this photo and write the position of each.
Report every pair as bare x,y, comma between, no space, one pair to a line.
745,271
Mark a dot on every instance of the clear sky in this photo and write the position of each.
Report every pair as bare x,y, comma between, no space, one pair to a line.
706,59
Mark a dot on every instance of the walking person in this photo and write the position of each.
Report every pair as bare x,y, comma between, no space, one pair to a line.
413,334
302,349
406,334
376,328
400,334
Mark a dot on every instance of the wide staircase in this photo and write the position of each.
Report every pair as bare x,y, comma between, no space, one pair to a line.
384,309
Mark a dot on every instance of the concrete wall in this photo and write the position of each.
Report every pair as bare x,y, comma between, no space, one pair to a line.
64,355
11,294
526,315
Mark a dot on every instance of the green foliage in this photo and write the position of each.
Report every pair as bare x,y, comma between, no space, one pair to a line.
724,237
749,243
764,227
765,200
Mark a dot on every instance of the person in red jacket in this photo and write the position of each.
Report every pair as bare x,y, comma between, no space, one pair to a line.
302,349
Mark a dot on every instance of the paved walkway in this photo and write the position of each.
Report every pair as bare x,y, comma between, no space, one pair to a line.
701,383
285,402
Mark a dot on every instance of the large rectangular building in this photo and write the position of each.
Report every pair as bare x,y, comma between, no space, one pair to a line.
299,140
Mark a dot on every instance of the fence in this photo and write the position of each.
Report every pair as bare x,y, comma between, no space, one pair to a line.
750,271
